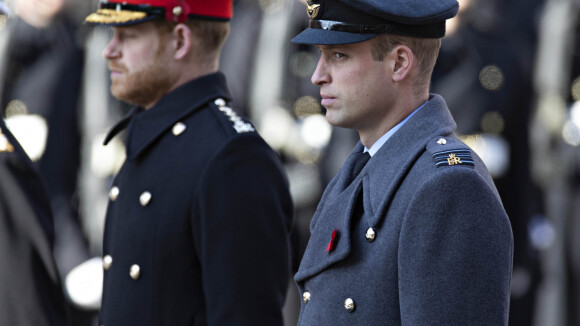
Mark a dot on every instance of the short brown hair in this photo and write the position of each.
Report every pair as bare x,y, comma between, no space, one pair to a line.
425,50
211,35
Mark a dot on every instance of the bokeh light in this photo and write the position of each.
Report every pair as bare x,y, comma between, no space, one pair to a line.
2,21
571,133
302,64
31,130
492,122
16,107
106,160
576,89
271,6
305,106
493,150
575,113
316,131
277,127
491,77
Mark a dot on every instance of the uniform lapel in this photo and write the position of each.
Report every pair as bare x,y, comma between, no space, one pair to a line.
392,162
148,125
151,124
335,214
121,125
338,184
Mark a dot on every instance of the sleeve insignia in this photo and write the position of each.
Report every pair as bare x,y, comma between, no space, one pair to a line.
453,157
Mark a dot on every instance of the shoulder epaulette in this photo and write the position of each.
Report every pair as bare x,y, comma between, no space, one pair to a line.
450,152
240,125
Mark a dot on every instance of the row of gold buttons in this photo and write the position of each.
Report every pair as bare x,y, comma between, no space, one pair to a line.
134,270
144,199
348,303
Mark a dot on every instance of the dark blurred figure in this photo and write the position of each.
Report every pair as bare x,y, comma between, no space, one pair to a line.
40,87
573,245
555,134
485,73
30,288
239,52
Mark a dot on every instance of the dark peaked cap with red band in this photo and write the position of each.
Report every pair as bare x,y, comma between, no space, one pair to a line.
129,12
353,21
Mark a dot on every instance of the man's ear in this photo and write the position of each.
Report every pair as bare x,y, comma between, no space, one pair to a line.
182,41
404,60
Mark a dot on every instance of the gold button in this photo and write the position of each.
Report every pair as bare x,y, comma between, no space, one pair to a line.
220,102
114,193
107,262
441,141
370,235
306,297
178,128
177,11
145,198
135,271
349,305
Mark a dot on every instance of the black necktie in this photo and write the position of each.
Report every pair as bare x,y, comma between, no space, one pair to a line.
359,164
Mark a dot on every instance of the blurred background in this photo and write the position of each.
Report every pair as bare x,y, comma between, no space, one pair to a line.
508,69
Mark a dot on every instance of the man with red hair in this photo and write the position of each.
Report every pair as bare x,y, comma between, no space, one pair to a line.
198,218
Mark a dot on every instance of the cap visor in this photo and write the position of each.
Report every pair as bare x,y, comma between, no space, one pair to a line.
111,17
326,37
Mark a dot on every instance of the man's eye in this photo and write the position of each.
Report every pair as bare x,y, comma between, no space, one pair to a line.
126,35
338,55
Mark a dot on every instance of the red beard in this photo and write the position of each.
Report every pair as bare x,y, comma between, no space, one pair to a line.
144,87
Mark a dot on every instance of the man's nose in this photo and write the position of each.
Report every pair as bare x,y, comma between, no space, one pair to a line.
320,75
112,50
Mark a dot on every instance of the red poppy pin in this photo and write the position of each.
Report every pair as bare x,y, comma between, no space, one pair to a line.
330,245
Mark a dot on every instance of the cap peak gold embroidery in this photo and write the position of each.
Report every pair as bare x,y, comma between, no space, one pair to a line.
108,16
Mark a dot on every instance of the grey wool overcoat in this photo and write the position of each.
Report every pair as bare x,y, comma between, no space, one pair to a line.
420,237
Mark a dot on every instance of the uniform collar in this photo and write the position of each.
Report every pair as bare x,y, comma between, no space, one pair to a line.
384,171
147,125
400,152
381,141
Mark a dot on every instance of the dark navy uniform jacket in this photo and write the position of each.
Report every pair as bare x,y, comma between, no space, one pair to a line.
421,236
197,224
30,288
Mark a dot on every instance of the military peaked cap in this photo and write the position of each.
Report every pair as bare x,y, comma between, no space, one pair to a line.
353,21
129,12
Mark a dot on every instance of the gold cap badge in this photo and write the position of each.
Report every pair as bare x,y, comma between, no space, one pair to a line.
312,9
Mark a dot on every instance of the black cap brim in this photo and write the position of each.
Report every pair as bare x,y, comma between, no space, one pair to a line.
325,37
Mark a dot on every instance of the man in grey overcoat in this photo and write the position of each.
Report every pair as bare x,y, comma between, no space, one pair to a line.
412,230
